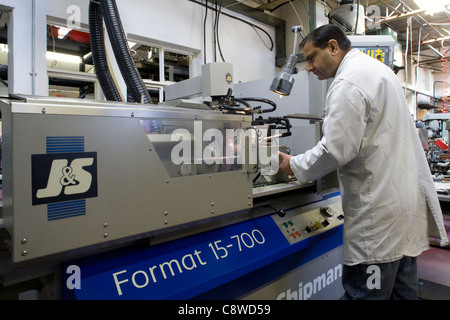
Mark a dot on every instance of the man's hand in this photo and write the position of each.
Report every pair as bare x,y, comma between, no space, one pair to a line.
285,165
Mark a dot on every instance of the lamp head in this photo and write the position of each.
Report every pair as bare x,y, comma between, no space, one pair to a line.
283,81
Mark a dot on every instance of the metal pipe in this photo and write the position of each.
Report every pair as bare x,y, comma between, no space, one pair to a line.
434,94
440,35
426,22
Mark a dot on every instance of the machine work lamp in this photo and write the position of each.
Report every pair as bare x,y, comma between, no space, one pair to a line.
283,81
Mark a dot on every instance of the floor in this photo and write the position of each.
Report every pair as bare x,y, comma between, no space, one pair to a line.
434,267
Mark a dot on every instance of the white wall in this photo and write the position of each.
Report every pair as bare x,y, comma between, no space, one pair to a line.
295,14
179,24
24,40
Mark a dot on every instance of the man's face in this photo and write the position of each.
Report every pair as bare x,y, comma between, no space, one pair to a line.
322,62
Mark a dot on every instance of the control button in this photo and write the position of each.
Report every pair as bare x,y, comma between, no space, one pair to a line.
293,235
341,217
288,224
308,229
317,225
325,223
327,212
298,234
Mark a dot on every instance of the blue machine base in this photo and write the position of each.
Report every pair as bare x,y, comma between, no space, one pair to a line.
218,264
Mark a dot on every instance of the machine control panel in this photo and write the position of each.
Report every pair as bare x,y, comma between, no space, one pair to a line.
303,222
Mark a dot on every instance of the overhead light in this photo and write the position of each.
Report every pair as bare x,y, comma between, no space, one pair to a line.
3,48
62,32
432,7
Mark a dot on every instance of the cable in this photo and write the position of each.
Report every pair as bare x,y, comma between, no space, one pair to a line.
107,9
444,77
306,8
214,33
241,20
273,104
99,58
298,16
121,50
228,102
204,32
408,22
217,29
418,63
357,17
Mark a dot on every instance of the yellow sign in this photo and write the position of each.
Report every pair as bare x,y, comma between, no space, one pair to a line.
379,54
228,78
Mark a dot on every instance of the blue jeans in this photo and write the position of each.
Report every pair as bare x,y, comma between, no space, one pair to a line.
394,280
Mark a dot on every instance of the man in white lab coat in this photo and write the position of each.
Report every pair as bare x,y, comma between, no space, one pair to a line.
388,196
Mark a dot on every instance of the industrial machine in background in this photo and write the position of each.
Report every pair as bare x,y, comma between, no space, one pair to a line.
349,16
435,142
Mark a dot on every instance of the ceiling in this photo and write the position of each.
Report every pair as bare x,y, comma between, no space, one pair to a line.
424,30
434,39
395,14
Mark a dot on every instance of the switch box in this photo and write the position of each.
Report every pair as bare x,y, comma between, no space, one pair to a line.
307,221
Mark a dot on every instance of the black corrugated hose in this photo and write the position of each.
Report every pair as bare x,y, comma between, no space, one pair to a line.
121,50
107,10
99,53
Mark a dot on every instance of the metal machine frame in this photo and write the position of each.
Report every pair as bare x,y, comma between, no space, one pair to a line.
135,193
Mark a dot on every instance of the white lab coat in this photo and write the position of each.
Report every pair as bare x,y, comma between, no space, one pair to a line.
388,196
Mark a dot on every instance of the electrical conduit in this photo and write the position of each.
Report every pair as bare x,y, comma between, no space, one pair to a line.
99,53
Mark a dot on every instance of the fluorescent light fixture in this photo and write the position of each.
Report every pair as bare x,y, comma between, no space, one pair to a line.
432,6
62,32
4,48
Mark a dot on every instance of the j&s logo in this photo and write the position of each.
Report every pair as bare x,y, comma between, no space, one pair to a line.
60,177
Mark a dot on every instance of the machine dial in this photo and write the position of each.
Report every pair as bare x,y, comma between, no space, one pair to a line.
327,212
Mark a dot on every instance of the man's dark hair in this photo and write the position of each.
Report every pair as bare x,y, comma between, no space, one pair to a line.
320,37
